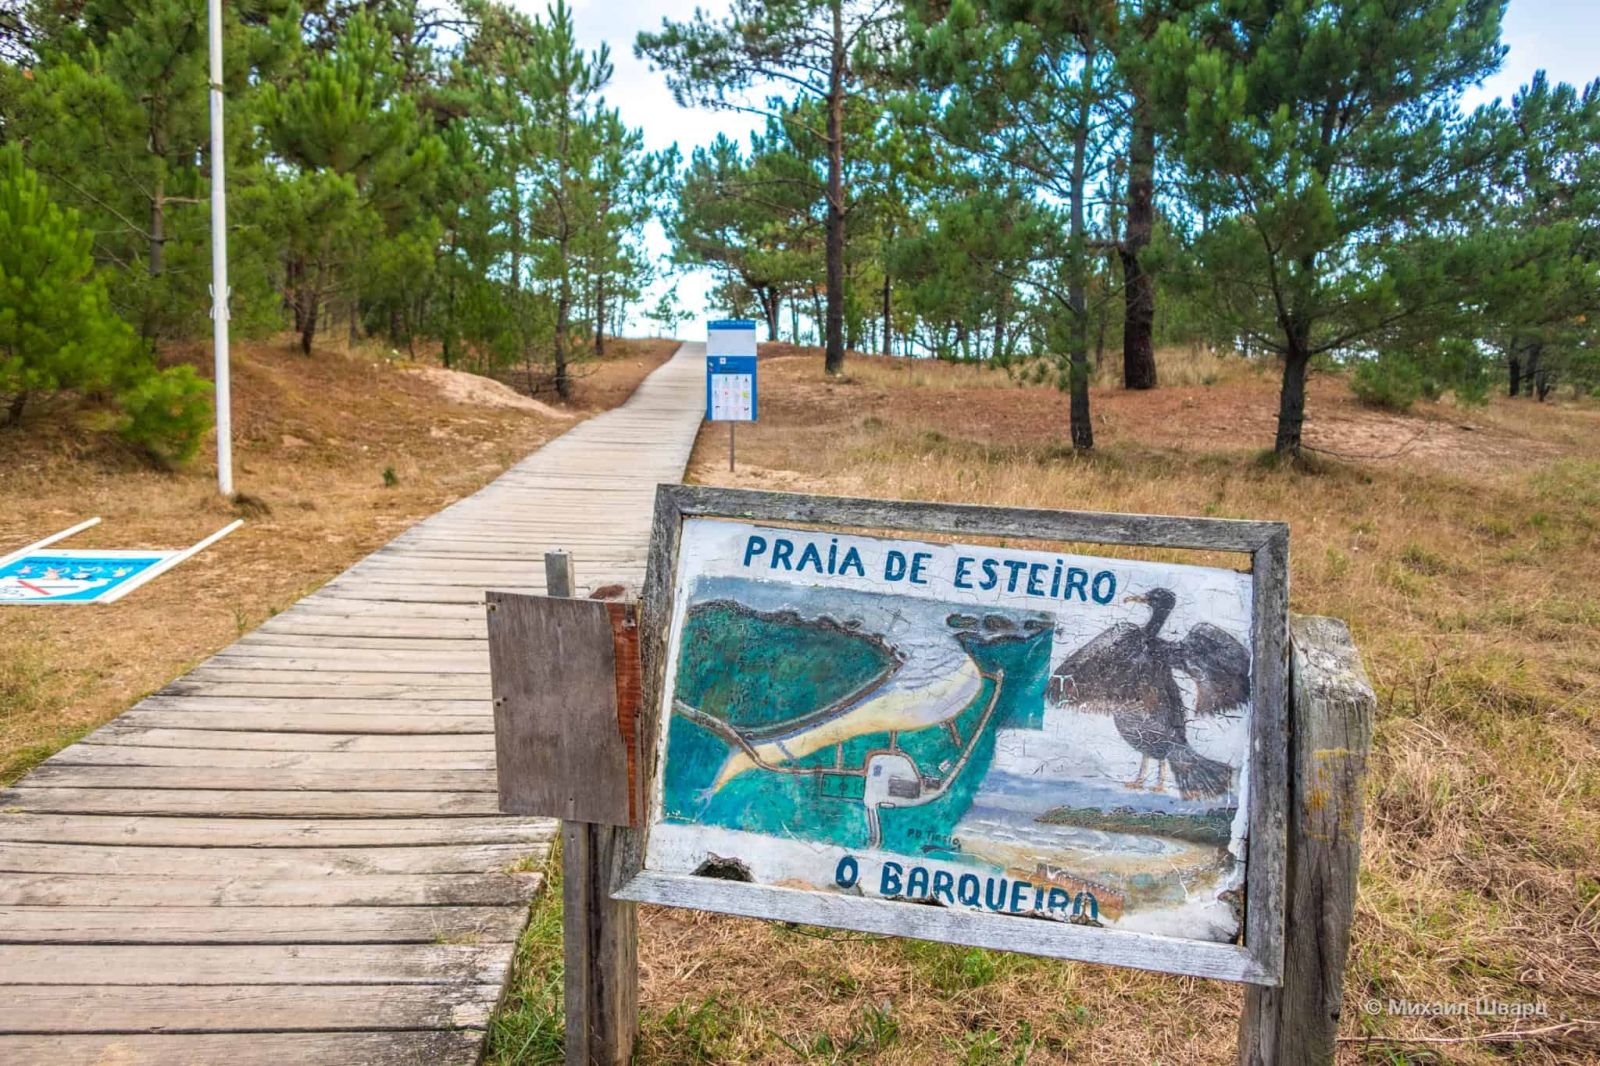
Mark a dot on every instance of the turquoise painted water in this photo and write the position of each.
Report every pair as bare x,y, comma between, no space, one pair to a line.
760,671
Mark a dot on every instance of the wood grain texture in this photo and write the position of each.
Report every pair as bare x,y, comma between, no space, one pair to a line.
1331,715
557,746
295,853
417,1048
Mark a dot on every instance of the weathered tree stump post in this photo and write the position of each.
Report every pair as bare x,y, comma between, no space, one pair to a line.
564,741
1331,706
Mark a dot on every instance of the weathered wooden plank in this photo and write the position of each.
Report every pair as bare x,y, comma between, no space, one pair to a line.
401,890
106,754
292,863
342,659
440,645
251,964
119,733
327,690
1332,706
211,676
317,721
169,924
282,832
52,775
411,1048
224,1008
256,804
233,706
558,745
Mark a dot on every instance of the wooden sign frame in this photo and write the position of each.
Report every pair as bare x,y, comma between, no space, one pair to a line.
1258,960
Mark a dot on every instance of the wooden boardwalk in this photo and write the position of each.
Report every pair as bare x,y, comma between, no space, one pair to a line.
292,855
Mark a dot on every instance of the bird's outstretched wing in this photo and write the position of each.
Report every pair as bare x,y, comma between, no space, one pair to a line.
1101,676
1219,666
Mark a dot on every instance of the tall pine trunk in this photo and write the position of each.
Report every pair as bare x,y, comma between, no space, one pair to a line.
833,360
1078,273
1139,287
1292,395
563,316
600,314
888,315
769,308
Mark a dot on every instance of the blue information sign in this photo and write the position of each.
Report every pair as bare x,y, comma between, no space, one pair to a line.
731,370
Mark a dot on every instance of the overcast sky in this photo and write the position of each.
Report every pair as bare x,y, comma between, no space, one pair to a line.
1559,36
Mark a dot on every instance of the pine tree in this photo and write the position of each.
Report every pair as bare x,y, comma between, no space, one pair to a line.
58,331
824,50
1324,138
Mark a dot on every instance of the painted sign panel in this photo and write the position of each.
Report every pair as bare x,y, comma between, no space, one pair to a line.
73,576
731,388
990,730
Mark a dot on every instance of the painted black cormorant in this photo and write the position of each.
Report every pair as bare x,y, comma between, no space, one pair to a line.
1127,672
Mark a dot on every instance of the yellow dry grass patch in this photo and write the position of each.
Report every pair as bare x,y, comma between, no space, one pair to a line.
1469,574
313,440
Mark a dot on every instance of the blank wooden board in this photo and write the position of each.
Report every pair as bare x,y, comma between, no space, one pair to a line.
560,748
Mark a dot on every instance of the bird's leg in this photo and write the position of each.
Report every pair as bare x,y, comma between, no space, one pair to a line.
1138,778
1161,776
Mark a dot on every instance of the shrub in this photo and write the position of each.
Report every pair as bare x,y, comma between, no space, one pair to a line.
58,332
166,413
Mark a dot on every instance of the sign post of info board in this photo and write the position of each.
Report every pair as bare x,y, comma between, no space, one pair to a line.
731,374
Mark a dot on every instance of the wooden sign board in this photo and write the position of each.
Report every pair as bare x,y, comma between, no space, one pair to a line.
1068,755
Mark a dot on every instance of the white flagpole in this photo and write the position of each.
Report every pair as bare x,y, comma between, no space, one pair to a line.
219,263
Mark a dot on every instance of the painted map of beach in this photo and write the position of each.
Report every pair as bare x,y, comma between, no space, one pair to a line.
945,745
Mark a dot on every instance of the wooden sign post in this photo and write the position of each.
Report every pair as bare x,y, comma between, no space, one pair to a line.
1087,757
565,699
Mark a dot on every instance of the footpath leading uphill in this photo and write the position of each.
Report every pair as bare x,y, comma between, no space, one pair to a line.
292,854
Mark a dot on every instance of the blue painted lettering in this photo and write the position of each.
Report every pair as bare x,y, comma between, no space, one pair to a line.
1036,572
890,883
847,873
967,890
1105,586
919,560
1077,581
917,883
781,551
894,566
754,547
991,575
852,558
963,580
812,556
944,884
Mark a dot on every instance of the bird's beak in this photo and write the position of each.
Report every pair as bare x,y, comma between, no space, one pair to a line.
1135,599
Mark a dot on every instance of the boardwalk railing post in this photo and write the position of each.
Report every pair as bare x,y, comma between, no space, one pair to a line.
1331,706
600,935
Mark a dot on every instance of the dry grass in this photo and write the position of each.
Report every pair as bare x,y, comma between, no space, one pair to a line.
313,439
1466,565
